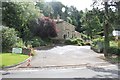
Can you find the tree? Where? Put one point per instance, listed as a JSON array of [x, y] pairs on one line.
[[45, 8], [48, 10], [18, 14], [43, 27], [107, 4], [92, 23], [57, 8]]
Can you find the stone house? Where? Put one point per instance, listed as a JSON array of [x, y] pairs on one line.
[[66, 30]]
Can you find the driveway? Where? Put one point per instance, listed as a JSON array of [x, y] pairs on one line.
[[68, 56]]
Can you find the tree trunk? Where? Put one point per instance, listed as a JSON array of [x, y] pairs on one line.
[[106, 32]]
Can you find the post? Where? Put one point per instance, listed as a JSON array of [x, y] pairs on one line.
[[106, 32]]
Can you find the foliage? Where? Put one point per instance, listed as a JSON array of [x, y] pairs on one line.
[[47, 10], [36, 42], [114, 50], [19, 43], [92, 22], [17, 15], [57, 8], [9, 38], [98, 46], [43, 27], [51, 9], [84, 37], [114, 47], [70, 14], [87, 43], [9, 59], [32, 52], [75, 41], [73, 16], [113, 13], [97, 40]]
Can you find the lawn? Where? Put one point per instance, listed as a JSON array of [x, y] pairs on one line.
[[8, 59]]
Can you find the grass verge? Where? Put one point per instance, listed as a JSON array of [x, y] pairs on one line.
[[8, 59]]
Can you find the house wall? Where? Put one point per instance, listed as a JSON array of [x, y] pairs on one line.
[[66, 30]]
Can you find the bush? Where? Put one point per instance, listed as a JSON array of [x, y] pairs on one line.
[[114, 47], [114, 50], [68, 41], [87, 43], [36, 42], [98, 44], [19, 43], [75, 41], [9, 38]]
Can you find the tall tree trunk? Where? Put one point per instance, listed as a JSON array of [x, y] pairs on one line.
[[106, 32]]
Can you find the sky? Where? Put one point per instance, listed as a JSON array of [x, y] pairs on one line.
[[79, 4]]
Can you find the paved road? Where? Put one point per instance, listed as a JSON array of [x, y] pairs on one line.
[[65, 62], [83, 72], [66, 56]]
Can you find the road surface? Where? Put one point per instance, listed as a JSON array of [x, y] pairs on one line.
[[68, 55], [65, 62]]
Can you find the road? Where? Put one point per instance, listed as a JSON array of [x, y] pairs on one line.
[[68, 55], [65, 62], [83, 72]]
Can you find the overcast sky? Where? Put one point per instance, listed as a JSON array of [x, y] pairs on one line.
[[79, 4]]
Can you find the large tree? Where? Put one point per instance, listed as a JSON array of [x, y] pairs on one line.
[[110, 19], [43, 27], [92, 22], [18, 14]]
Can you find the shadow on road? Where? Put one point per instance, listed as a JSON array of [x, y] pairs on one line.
[[110, 71]]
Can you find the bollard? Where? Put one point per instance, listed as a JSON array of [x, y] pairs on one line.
[[28, 63]]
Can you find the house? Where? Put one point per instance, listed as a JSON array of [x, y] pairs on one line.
[[65, 30]]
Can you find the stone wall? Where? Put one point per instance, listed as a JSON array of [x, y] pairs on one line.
[[66, 30]]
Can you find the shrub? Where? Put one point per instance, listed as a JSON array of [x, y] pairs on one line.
[[68, 41], [87, 43], [114, 47], [114, 50], [19, 43], [75, 41], [36, 42], [98, 44], [9, 38]]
